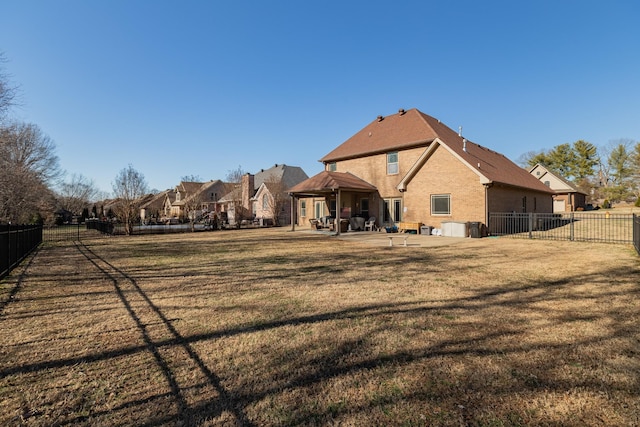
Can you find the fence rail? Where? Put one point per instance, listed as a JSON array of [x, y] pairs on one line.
[[602, 227], [16, 242]]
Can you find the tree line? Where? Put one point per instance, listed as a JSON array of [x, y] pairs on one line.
[[610, 174], [33, 187]]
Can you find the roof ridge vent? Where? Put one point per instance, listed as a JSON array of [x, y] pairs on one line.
[[380, 118], [401, 111]]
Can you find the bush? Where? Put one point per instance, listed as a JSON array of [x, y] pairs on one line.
[[606, 204], [637, 205]]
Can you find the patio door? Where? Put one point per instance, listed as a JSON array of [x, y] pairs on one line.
[[392, 211], [319, 209]]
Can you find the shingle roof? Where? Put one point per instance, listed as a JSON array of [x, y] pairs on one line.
[[327, 181], [412, 128]]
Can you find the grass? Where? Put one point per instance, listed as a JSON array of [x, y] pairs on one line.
[[273, 328]]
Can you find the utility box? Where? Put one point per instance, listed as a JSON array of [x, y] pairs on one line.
[[455, 229], [426, 230]]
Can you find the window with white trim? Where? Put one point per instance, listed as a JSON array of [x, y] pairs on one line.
[[332, 167], [303, 208], [392, 163], [441, 204]]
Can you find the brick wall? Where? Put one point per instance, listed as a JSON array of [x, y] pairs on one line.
[[444, 174]]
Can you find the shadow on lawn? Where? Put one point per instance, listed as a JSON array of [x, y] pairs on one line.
[[303, 369]]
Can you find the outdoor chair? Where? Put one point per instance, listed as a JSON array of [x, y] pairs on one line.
[[370, 225]]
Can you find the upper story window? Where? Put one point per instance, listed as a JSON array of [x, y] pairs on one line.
[[332, 167], [265, 202], [392, 163]]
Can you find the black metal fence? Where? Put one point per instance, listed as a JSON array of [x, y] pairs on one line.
[[16, 242], [636, 232], [602, 227]]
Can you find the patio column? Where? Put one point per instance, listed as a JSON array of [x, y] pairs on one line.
[[338, 211], [294, 201]]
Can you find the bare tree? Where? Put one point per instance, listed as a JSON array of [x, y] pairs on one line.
[[28, 168], [277, 199], [129, 187], [76, 194], [192, 202], [8, 93], [236, 206]]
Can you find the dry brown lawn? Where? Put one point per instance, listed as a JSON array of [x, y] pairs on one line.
[[273, 328]]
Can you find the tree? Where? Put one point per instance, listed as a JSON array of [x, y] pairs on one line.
[[8, 93], [532, 158], [129, 187], [76, 194], [616, 171], [635, 171], [586, 159], [236, 211], [28, 168], [277, 198], [192, 202], [574, 161]]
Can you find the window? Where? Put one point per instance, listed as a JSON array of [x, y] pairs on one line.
[[524, 204], [441, 204], [265, 202], [547, 183], [392, 163], [333, 167], [364, 207], [332, 208], [303, 208]]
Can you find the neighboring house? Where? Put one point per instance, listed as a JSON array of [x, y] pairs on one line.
[[411, 168], [263, 197], [153, 207], [567, 197], [194, 199]]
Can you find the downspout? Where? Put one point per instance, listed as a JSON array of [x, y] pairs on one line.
[[486, 205]]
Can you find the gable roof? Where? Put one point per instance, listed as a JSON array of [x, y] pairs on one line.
[[414, 129], [569, 187], [287, 175], [327, 182], [157, 200]]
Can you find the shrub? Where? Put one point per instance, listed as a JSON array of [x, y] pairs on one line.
[[606, 204]]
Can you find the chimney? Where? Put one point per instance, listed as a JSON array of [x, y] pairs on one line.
[[247, 190]]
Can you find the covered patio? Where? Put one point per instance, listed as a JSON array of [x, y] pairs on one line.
[[343, 187]]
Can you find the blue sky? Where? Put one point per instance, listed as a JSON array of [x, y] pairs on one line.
[[178, 88]]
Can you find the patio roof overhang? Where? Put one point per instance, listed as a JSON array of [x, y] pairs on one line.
[[328, 183]]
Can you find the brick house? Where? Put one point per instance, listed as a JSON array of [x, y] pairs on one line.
[[567, 197], [195, 198], [413, 169], [263, 197]]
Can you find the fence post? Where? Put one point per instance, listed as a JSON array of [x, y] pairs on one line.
[[531, 225], [571, 227]]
